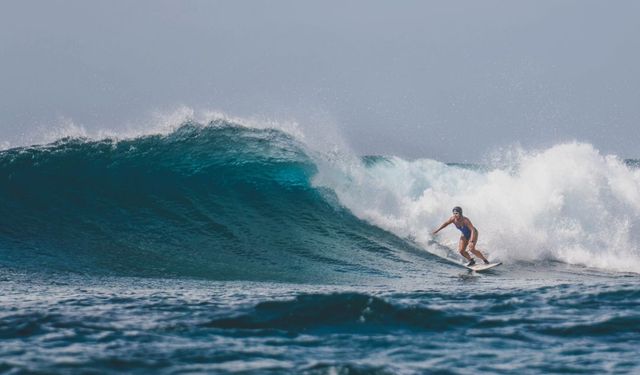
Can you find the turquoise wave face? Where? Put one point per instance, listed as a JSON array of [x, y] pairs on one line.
[[218, 201]]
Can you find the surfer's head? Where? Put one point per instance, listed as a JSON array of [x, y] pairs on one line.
[[457, 210]]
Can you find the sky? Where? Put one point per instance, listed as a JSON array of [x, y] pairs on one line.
[[448, 80]]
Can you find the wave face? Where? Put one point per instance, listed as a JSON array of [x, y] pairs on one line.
[[219, 201]]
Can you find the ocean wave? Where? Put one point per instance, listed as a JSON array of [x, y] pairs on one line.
[[230, 202], [220, 201], [342, 312]]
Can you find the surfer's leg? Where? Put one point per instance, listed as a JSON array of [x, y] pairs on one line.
[[462, 245], [476, 252]]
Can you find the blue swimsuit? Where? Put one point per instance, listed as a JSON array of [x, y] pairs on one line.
[[466, 232]]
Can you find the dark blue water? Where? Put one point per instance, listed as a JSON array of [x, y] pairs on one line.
[[211, 250]]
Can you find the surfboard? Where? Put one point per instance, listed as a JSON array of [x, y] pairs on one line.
[[446, 253], [482, 267]]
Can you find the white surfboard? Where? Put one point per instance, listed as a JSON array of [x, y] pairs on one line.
[[445, 252], [482, 267]]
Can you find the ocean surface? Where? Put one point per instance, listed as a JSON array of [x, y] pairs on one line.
[[225, 248]]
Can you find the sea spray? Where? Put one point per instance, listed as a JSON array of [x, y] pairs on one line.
[[567, 203]]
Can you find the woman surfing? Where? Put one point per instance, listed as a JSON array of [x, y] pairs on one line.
[[469, 235]]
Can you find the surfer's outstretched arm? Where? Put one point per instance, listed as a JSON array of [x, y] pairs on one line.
[[443, 226]]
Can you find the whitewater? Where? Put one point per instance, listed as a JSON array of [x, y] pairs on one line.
[[233, 246]]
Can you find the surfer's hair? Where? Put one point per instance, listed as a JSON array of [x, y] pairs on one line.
[[457, 209]]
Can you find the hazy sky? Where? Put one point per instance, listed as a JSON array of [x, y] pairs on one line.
[[450, 80]]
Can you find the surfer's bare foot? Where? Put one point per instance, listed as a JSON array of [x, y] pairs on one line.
[[486, 261], [471, 263]]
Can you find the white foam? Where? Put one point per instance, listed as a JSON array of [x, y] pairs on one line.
[[568, 203]]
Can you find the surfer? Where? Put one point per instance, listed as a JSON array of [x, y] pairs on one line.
[[469, 235]]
